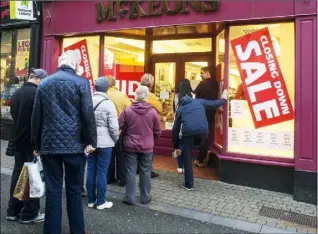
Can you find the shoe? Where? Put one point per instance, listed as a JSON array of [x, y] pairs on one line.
[[154, 174], [127, 202], [84, 193], [198, 164], [146, 201], [38, 219], [121, 183], [106, 205], [187, 188], [180, 170], [91, 205], [12, 218]]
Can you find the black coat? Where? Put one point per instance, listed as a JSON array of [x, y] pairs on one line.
[[21, 111], [63, 120]]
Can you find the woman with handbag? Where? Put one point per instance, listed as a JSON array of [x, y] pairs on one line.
[[107, 135]]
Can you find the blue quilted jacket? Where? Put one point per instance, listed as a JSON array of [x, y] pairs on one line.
[[63, 120]]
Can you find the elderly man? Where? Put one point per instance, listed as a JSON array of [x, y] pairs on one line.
[[21, 110], [64, 131]]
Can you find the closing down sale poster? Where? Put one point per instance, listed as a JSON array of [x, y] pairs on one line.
[[84, 69], [262, 79]]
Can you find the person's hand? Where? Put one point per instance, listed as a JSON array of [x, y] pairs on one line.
[[89, 149], [225, 94], [36, 153]]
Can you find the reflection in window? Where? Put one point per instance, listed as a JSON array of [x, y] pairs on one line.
[[124, 59], [274, 140], [92, 43], [182, 46], [165, 74]]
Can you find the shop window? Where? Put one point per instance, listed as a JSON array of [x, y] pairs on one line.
[[182, 29], [88, 46], [182, 46], [124, 59], [15, 52], [268, 131], [192, 72]]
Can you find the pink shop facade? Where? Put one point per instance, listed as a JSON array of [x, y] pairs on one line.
[[174, 39]]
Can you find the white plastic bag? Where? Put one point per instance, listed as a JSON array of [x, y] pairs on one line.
[[36, 179]]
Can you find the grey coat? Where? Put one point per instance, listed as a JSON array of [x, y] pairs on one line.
[[106, 121]]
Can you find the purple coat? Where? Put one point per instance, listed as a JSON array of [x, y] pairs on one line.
[[140, 124]]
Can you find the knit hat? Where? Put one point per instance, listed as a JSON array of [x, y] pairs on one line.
[[38, 73], [101, 84]]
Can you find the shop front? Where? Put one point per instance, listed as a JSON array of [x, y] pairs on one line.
[[264, 52], [20, 51]]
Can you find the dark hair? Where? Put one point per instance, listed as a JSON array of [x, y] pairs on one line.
[[185, 89], [207, 69]]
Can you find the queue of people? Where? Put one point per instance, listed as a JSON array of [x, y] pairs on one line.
[[67, 125]]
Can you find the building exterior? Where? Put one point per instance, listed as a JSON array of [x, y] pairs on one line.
[[272, 147], [20, 51]]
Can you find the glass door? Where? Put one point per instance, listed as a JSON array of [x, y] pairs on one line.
[[164, 89]]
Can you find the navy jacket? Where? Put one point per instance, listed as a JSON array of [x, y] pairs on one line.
[[63, 120], [191, 115], [21, 111]]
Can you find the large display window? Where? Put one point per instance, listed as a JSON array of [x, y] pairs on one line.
[[15, 53], [262, 83], [124, 59]]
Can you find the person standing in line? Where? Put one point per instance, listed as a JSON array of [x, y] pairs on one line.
[[21, 111], [64, 132], [141, 126], [107, 135], [207, 89], [121, 101], [148, 80], [191, 116]]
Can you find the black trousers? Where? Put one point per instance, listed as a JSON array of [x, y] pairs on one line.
[[203, 150], [187, 144], [28, 209]]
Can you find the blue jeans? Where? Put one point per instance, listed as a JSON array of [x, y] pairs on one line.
[[74, 165], [97, 167]]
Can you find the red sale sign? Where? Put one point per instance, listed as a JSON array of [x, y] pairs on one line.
[[262, 79], [84, 68]]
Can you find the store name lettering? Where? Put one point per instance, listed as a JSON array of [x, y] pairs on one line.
[[254, 71], [136, 9]]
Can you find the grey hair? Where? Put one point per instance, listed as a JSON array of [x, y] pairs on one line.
[[141, 93], [71, 58], [147, 80]]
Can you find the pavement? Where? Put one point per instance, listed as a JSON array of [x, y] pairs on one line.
[[119, 219], [213, 202]]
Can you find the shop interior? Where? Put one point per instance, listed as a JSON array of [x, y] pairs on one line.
[[179, 52]]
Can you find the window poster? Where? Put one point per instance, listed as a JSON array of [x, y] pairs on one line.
[[22, 57], [84, 69], [262, 79]]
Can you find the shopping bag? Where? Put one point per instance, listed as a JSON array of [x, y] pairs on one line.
[[21, 191], [36, 178]]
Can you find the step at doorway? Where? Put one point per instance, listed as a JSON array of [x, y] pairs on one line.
[[169, 164]]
